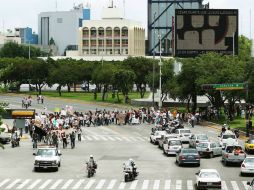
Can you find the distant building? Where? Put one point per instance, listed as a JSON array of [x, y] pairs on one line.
[[112, 35], [26, 35], [9, 38], [161, 22], [61, 27]]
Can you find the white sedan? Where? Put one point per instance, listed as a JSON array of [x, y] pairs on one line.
[[208, 178], [247, 167]]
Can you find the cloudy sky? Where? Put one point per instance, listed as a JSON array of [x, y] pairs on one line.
[[22, 13]]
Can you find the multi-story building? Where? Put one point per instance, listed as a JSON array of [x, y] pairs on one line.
[[112, 35], [61, 27], [161, 22], [10, 37], [27, 36]]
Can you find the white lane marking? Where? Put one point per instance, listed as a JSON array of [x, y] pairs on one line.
[[133, 139], [146, 138], [126, 138], [122, 185], [145, 184], [89, 184], [134, 184], [140, 138], [54, 186], [100, 184], [88, 138], [224, 185], [112, 184], [78, 184], [103, 138], [245, 185], [111, 138], [23, 184], [34, 184], [189, 185], [45, 184], [13, 183], [156, 184], [234, 185], [96, 138], [178, 184], [167, 184], [67, 184], [118, 138], [4, 182]]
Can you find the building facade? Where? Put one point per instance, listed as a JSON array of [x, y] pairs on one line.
[[161, 23], [61, 27], [27, 36], [9, 38], [112, 35]]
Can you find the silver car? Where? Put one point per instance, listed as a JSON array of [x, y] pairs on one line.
[[195, 139], [173, 146], [183, 134], [187, 156], [247, 167], [209, 149]]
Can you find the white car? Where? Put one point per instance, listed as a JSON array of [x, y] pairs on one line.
[[247, 167], [183, 134], [156, 135], [165, 138], [195, 139], [47, 157], [208, 178], [173, 146], [228, 138]]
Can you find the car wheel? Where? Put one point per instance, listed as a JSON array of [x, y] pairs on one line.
[[56, 169], [36, 169], [59, 165], [211, 155], [151, 140], [198, 188], [198, 164], [226, 162], [242, 174]]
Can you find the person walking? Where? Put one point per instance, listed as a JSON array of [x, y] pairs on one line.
[[192, 120], [79, 131], [55, 140], [35, 139], [72, 137], [64, 140]]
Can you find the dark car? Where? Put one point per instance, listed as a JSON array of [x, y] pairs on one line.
[[187, 156]]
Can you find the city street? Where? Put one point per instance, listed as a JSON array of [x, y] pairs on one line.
[[111, 147]]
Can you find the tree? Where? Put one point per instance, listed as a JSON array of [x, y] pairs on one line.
[[245, 45]]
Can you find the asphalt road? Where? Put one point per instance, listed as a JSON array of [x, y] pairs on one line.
[[111, 146]]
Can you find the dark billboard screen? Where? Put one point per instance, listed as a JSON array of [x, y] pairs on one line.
[[199, 31]]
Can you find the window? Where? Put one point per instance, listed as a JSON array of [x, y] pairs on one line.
[[59, 20]]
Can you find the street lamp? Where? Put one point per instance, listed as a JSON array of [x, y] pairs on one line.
[[29, 51], [160, 64], [154, 15]]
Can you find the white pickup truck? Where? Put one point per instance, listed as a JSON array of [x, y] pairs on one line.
[[233, 154], [156, 135], [228, 138]]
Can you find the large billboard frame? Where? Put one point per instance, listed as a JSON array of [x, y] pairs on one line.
[[224, 20]]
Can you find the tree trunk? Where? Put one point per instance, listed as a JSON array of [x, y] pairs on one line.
[[59, 90], [39, 88], [105, 89], [117, 95], [75, 87], [194, 103]]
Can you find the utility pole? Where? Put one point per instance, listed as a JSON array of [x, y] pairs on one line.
[[29, 53], [160, 64], [234, 44], [154, 15]]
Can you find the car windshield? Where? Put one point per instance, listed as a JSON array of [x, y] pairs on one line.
[[46, 152], [176, 142], [250, 160], [228, 136], [209, 175], [185, 131], [189, 151], [202, 137], [203, 145]]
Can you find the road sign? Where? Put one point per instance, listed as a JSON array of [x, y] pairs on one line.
[[226, 86]]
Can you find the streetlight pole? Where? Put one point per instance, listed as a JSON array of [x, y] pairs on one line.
[[160, 64], [29, 53], [154, 15], [234, 44]]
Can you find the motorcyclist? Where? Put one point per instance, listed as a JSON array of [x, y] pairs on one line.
[[92, 162], [133, 166], [223, 129]]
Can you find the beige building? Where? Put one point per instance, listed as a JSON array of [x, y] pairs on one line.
[[9, 38], [113, 35]]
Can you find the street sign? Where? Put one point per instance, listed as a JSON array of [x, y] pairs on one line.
[[226, 86]]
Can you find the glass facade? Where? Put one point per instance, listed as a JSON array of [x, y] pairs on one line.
[[160, 18]]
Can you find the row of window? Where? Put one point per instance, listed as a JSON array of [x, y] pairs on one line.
[[106, 52]]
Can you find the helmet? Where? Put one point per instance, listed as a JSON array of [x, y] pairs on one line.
[[130, 160], [91, 156], [224, 125]]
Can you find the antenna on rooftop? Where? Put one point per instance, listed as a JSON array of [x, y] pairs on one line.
[[124, 8], [56, 5]]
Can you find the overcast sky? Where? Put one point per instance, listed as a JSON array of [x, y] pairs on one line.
[[22, 13]]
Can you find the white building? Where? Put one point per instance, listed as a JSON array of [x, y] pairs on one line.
[[9, 38], [62, 27], [112, 35]]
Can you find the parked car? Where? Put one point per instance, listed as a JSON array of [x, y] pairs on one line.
[[247, 167], [208, 178], [233, 154], [173, 146], [195, 139], [156, 135], [209, 149], [187, 156], [183, 134], [249, 145]]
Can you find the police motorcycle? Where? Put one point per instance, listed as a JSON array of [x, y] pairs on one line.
[[130, 171], [14, 140], [91, 167]]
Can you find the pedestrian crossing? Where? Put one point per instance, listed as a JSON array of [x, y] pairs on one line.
[[113, 138], [113, 184]]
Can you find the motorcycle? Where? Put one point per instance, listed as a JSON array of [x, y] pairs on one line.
[[130, 173], [15, 142], [91, 169]]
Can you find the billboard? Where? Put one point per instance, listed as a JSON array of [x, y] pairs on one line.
[[19, 114], [199, 31]]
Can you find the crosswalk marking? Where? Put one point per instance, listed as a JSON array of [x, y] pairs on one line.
[[54, 186], [132, 138], [78, 184], [189, 185], [156, 184], [234, 185], [13, 183], [34, 184], [103, 138], [45, 184], [111, 138], [140, 138], [100, 184], [134, 184], [224, 185], [167, 184], [112, 184], [96, 137], [178, 184], [122, 185], [118, 138], [23, 184], [4, 182], [88, 138], [89, 184], [145, 184], [67, 184], [245, 185], [126, 139]]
